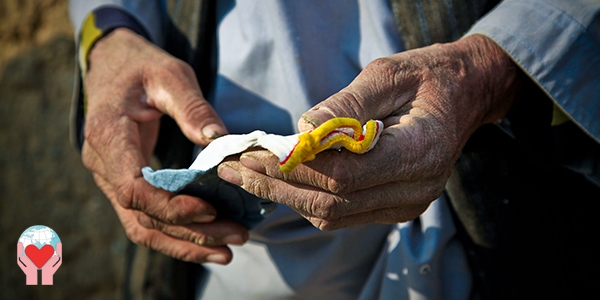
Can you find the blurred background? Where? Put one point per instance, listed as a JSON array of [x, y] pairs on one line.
[[42, 179]]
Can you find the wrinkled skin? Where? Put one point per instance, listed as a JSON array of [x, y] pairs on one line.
[[430, 99], [130, 84]]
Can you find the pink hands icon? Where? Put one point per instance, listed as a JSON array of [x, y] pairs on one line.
[[35, 258]]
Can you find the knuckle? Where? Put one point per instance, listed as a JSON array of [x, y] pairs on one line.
[[88, 159], [135, 235], [336, 185], [435, 192], [175, 217], [148, 222], [203, 240], [195, 107], [176, 67], [90, 132], [342, 180], [348, 103], [260, 188], [430, 191], [325, 206], [189, 256], [414, 212], [124, 194], [383, 66], [325, 225]]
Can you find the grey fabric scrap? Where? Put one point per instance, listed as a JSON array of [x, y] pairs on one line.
[[230, 201]]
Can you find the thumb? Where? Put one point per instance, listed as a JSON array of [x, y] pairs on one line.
[[54, 262], [375, 93], [174, 90], [342, 104], [19, 249]]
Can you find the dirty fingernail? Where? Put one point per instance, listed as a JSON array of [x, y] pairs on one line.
[[313, 118], [213, 131], [217, 258], [230, 175], [234, 239], [203, 218]]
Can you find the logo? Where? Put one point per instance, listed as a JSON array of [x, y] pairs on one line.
[[39, 248]]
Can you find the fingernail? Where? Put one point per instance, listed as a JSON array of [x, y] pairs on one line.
[[313, 118], [213, 131], [234, 239], [203, 218], [217, 258], [252, 163], [230, 175]]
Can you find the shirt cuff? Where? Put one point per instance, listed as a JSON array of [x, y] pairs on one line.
[[556, 44], [99, 23]]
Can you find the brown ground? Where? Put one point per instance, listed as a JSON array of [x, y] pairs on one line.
[[42, 180]]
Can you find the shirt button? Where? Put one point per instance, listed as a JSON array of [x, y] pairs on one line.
[[425, 269]]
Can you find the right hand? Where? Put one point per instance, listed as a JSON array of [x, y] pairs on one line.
[[129, 86], [430, 99]]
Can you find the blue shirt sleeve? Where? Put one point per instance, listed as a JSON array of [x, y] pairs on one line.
[[147, 13], [557, 43]]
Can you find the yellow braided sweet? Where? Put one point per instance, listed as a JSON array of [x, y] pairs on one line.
[[328, 135]]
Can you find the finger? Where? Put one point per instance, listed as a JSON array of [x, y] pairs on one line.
[[320, 204], [59, 248], [217, 233], [388, 215], [19, 249], [206, 231], [140, 195], [169, 245], [172, 87], [382, 81]]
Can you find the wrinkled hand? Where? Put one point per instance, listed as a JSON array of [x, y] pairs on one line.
[[129, 86], [51, 266], [430, 99], [26, 266]]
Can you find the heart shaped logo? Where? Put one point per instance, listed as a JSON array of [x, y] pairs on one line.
[[39, 256]]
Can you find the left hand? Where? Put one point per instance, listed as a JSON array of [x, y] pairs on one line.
[[130, 84], [430, 99]]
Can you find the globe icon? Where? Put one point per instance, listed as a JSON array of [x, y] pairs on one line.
[[39, 235]]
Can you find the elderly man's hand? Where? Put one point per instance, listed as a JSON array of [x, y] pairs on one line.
[[431, 100], [130, 84]]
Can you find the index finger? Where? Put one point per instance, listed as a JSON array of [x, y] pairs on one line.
[[169, 245]]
